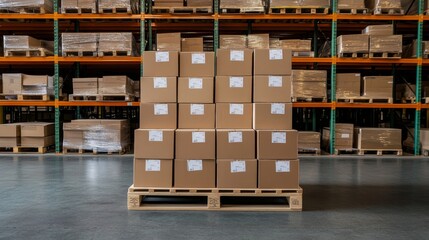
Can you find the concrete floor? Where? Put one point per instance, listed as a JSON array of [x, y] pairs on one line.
[[75, 197]]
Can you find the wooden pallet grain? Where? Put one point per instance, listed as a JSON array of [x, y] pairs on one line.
[[364, 99], [95, 151], [242, 10], [302, 54], [78, 10], [67, 53], [115, 53], [353, 11], [126, 10], [34, 97], [379, 152], [385, 55], [32, 52], [353, 55], [388, 11], [309, 99], [183, 10], [78, 97], [339, 151], [309, 151], [21, 149], [298, 10]]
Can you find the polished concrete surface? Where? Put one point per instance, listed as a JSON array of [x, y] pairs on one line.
[[75, 197]]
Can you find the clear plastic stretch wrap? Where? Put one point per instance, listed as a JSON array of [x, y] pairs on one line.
[[15, 5], [199, 3], [378, 86], [309, 75], [115, 85], [309, 89], [37, 85], [168, 3], [372, 4], [392, 43], [315, 3], [275, 43], [351, 4], [20, 42], [87, 4], [348, 85], [382, 30], [79, 42], [285, 3], [168, 41], [296, 45], [133, 5], [355, 43], [93, 134], [308, 140], [117, 41], [241, 3], [258, 41], [378, 138], [232, 41], [343, 136], [85, 86]]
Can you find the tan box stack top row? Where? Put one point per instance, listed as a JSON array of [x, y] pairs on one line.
[[232, 129]]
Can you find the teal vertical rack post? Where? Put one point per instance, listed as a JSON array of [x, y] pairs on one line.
[[333, 76], [418, 78], [56, 79]]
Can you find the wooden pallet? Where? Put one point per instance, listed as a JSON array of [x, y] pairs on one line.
[[78, 97], [101, 97], [379, 152], [338, 151], [242, 10], [426, 100], [309, 99], [78, 10], [409, 100], [353, 11], [6, 149], [30, 149], [365, 100], [388, 11], [309, 151], [214, 199], [67, 53], [95, 151], [126, 10], [33, 52], [34, 97], [8, 97], [425, 152], [115, 53], [183, 10], [25, 10], [352, 55], [385, 55], [303, 54], [298, 10]]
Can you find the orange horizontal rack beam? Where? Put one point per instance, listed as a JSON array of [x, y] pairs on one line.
[[311, 105], [7, 60], [377, 105], [97, 104], [98, 16], [26, 16], [110, 59], [14, 103], [349, 61], [378, 17]]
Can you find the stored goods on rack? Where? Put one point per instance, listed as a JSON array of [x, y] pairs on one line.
[[167, 3], [406, 92], [378, 86], [343, 137], [26, 6], [309, 142], [79, 44], [118, 6], [380, 140], [385, 46], [15, 45], [10, 135], [27, 87], [78, 6], [85, 86], [242, 6], [115, 85], [354, 46], [413, 49], [192, 44], [36, 136], [184, 9], [381, 30], [232, 41], [348, 85], [299, 47], [352, 7], [117, 44], [258, 41], [309, 85], [199, 3], [299, 7], [168, 41], [390, 7]]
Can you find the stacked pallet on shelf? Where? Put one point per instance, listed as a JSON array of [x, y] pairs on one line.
[[10, 136], [348, 86], [378, 88], [15, 45], [179, 6], [412, 51], [118, 6], [379, 140], [299, 48], [79, 44], [175, 42], [78, 6], [27, 87], [27, 6], [343, 138], [382, 42], [352, 7], [242, 6], [252, 41], [300, 6], [391, 7], [355, 45], [309, 85], [37, 136], [107, 88], [309, 142]]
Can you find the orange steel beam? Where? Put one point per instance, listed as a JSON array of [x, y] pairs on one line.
[[98, 104], [98, 16], [376, 105], [311, 105], [109, 59], [15, 103], [378, 17]]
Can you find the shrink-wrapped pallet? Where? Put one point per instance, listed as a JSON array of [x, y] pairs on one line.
[[355, 43], [168, 41], [351, 4], [309, 90], [241, 3], [382, 44], [377, 138], [378, 86], [79, 42], [309, 75], [168, 3], [382, 30], [348, 85], [308, 140], [37, 85], [85, 86], [89, 6], [343, 136], [372, 4], [114, 42], [413, 49], [258, 41], [232, 41], [115, 85], [26, 6], [296, 45]]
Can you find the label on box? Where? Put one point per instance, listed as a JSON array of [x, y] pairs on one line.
[[198, 58], [345, 135], [282, 166], [197, 109], [236, 56], [236, 109], [160, 82], [235, 137], [153, 165], [155, 136], [238, 166], [195, 165], [195, 83], [276, 54], [198, 137], [278, 137], [160, 109], [278, 108], [162, 57], [275, 81], [236, 82]]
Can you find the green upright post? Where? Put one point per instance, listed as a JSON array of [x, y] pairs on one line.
[[333, 77], [418, 79], [56, 81]]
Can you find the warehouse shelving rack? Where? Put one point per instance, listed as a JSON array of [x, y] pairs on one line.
[[146, 25]]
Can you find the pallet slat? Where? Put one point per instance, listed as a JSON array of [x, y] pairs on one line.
[[385, 55], [101, 97], [388, 11], [352, 55], [298, 10], [309, 99], [95, 151], [353, 11], [183, 10], [242, 10], [78, 10], [33, 52], [364, 99], [379, 152]]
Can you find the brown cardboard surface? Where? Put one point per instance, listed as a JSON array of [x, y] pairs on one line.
[[274, 176], [168, 41], [197, 64], [195, 143], [272, 89], [73, 139], [34, 80], [195, 90], [258, 41], [196, 115], [233, 89], [233, 173], [10, 142], [235, 143], [12, 83], [272, 145], [272, 116], [272, 62], [343, 136], [158, 90], [85, 85], [378, 86], [378, 138], [234, 62], [204, 176], [161, 64], [242, 119], [115, 85], [232, 41], [308, 140], [10, 130], [153, 172], [38, 141], [192, 44], [37, 129], [158, 115], [348, 85], [154, 143]]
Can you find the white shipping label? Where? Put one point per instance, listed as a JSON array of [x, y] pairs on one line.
[[162, 57], [345, 135], [236, 109], [160, 82], [276, 54], [282, 166], [238, 166], [153, 165], [236, 82], [160, 109], [195, 165], [197, 109], [198, 137], [275, 81], [236, 56], [195, 83], [198, 58], [278, 108], [278, 137], [155, 136], [235, 137]]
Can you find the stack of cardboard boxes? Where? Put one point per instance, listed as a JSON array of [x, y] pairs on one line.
[[175, 42], [349, 86], [22, 84], [79, 4], [309, 84], [309, 141], [29, 135], [15, 44], [343, 137], [16, 6]]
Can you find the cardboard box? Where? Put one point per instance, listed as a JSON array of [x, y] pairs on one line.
[[383, 30], [308, 90], [109, 42], [197, 64], [195, 90], [278, 174], [154, 143], [168, 41], [78, 42], [354, 43], [272, 89], [233, 89], [38, 141], [234, 62], [194, 173], [199, 3], [115, 85], [161, 64], [234, 115], [12, 83], [153, 173], [296, 45], [158, 115], [195, 144], [378, 138], [277, 144], [237, 173], [10, 142], [196, 115], [85, 86], [272, 62], [168, 3], [382, 44], [348, 85], [235, 144], [192, 44], [258, 41], [343, 136], [378, 86], [308, 140], [272, 116], [73, 139], [35, 80], [37, 129], [10, 130], [20, 42], [158, 90], [232, 41]]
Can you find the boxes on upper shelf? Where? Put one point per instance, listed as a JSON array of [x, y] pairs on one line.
[[12, 83], [161, 64], [234, 115], [85, 86], [241, 3], [296, 45], [309, 84], [75, 42], [232, 41], [348, 85], [258, 41], [233, 89], [278, 174], [195, 173], [351, 4], [197, 64], [168, 3], [154, 143], [382, 44], [378, 86], [272, 62], [372, 4], [158, 89], [158, 115], [192, 44], [168, 41], [272, 116], [355, 43], [234, 62], [380, 30], [233, 173], [117, 44], [115, 85], [272, 89], [45, 6], [195, 90], [37, 85], [199, 3], [153, 172], [196, 116], [277, 144], [235, 144], [195, 144]]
